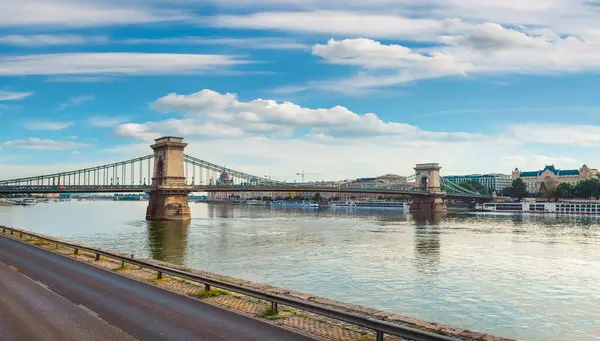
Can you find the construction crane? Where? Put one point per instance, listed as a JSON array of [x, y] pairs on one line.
[[302, 174]]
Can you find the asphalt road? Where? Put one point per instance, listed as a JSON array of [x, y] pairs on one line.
[[45, 296]]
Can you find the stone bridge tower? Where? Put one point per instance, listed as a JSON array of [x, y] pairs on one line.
[[428, 180], [169, 199]]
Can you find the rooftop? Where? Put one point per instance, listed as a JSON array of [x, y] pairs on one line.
[[551, 168]]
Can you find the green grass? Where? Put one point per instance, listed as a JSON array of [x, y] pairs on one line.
[[211, 293], [123, 267], [269, 314], [301, 314]]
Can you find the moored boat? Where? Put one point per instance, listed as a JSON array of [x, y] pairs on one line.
[[255, 202], [373, 205], [294, 204], [25, 202], [561, 207]]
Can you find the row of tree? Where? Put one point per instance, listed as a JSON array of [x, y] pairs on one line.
[[584, 189]]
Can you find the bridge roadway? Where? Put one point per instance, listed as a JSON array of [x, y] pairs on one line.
[[76, 301], [38, 189]]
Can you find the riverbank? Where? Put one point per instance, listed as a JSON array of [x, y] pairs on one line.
[[323, 328]]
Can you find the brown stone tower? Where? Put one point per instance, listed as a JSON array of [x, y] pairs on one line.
[[169, 199], [428, 180]]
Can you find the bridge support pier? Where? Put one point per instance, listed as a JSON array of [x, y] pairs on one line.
[[428, 179], [433, 204], [169, 199]]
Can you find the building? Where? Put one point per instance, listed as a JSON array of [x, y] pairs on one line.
[[552, 177], [494, 182]]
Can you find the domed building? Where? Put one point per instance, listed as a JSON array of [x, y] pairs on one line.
[[225, 179]]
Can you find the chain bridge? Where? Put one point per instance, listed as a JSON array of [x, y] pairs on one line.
[[169, 175]]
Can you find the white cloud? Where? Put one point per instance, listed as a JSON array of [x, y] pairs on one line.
[[74, 13], [331, 17], [340, 23], [479, 49], [558, 134], [186, 127], [106, 121], [214, 115], [35, 40], [47, 125], [75, 101], [113, 63], [44, 144], [248, 43], [79, 79], [13, 96], [534, 162]]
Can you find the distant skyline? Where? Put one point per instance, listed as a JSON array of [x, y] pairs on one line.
[[339, 89]]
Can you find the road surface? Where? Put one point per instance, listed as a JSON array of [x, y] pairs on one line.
[[45, 296]]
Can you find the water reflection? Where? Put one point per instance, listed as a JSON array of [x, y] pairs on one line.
[[427, 247], [431, 218], [167, 240], [220, 211]]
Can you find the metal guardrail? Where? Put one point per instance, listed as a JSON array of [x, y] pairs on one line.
[[380, 327]]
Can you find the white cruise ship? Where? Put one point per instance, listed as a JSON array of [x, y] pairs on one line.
[[373, 205], [294, 204], [561, 207], [255, 202], [25, 202]]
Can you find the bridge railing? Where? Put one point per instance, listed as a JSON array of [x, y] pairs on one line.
[[380, 327]]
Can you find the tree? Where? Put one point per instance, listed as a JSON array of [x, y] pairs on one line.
[[548, 192], [587, 188], [564, 190], [517, 190], [474, 186], [317, 197]]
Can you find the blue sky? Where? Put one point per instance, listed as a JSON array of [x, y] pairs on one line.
[[339, 89]]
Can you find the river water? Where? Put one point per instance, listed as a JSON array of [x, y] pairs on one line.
[[529, 277]]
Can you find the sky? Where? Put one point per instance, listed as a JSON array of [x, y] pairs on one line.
[[337, 89]]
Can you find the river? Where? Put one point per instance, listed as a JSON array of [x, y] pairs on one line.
[[529, 277]]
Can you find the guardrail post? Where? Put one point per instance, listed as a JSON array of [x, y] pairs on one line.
[[159, 275], [3, 230], [97, 257], [379, 336], [75, 251], [11, 232], [21, 235], [274, 307], [206, 287]]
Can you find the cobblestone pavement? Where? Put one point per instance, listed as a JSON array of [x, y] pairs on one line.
[[314, 325]]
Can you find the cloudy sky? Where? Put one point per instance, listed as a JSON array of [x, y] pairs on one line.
[[339, 89]]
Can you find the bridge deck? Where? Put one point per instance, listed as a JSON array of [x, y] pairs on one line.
[[232, 189]]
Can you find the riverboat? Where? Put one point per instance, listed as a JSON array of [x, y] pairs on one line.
[[25, 202], [255, 202], [294, 204], [371, 205], [5, 202], [561, 207]]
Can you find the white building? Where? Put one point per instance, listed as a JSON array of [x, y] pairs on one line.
[[495, 182]]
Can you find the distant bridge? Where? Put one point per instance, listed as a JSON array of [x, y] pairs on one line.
[[171, 173]]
